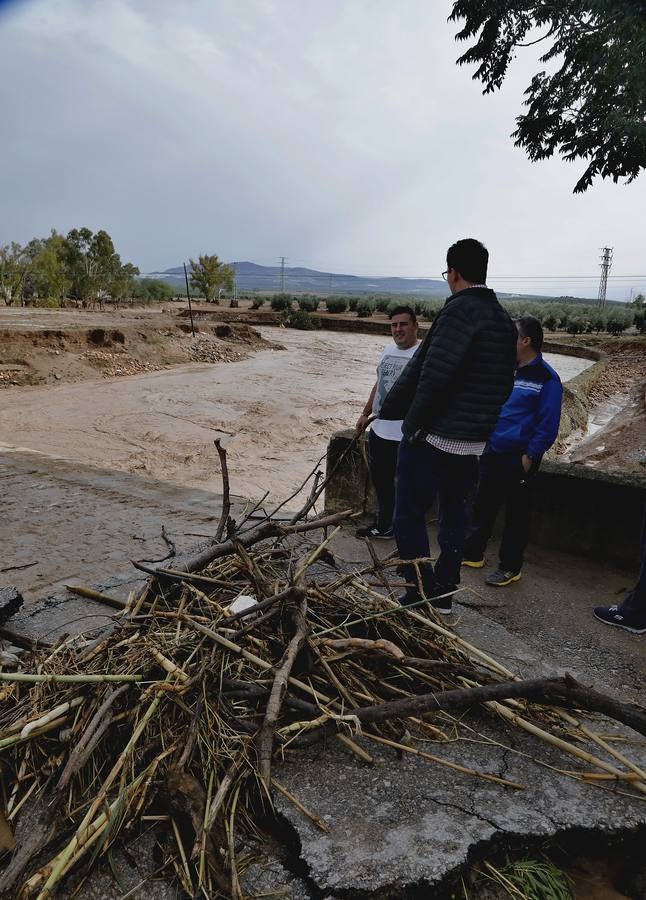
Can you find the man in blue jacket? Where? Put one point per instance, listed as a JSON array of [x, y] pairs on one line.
[[527, 427]]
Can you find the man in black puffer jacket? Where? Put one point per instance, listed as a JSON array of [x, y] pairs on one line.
[[449, 396]]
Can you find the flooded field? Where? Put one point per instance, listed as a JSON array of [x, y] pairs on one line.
[[276, 411]]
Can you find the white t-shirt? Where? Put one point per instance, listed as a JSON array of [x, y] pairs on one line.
[[392, 363]]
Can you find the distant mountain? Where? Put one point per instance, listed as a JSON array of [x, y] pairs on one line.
[[252, 277]]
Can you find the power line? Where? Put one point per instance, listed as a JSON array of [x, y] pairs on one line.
[[282, 274]]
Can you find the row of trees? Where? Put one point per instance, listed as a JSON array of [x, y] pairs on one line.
[[574, 318], [81, 265], [84, 266]]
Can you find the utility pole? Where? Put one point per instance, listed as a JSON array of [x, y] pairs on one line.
[[606, 263], [188, 297], [282, 274]]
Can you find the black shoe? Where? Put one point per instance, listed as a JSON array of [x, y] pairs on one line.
[[442, 605], [371, 531], [612, 615]]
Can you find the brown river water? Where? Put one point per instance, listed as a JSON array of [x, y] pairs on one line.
[[275, 411]]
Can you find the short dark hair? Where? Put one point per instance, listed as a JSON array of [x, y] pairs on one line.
[[402, 310], [470, 259], [529, 326]]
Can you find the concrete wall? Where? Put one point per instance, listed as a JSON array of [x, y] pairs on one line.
[[575, 411], [577, 509]]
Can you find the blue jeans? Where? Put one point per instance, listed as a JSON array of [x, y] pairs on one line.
[[424, 473]]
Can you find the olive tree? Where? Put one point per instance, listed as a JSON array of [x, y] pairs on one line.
[[589, 103]]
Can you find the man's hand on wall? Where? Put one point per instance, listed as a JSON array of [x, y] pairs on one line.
[[362, 423]]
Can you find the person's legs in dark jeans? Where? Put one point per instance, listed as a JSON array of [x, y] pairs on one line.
[[460, 473], [383, 464], [631, 614], [422, 472], [489, 497], [418, 476], [634, 605], [518, 514]]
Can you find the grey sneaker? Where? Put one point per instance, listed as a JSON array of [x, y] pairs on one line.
[[372, 532], [612, 615], [501, 577]]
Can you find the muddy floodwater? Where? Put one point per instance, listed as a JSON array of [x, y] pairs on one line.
[[276, 411]]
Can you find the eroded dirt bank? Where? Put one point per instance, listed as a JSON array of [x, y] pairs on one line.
[[38, 356]]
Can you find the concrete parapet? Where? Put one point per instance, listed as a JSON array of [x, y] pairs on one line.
[[577, 509]]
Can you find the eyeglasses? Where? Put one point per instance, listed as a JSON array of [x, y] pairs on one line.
[[445, 273]]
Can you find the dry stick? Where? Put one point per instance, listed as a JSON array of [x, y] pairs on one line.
[[261, 532], [311, 500], [358, 751], [257, 660], [31, 678], [471, 650], [91, 594], [597, 739], [235, 883], [192, 735], [178, 575], [314, 495], [378, 568], [223, 789], [254, 509], [316, 820], [443, 762], [77, 758], [266, 738], [258, 580], [17, 739], [311, 559], [548, 691], [345, 646], [256, 622], [226, 500], [81, 834], [572, 749]]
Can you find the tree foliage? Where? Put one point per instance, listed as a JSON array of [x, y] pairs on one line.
[[13, 267], [82, 265], [152, 289], [209, 275], [591, 104]]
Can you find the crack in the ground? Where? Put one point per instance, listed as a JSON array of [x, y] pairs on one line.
[[470, 812]]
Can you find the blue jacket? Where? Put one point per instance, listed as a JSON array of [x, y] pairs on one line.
[[529, 420]]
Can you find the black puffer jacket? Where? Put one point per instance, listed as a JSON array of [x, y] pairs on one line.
[[462, 372]]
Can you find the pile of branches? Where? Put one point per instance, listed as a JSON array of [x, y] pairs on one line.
[[177, 714]]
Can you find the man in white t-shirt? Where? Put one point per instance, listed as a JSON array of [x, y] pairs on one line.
[[384, 435]]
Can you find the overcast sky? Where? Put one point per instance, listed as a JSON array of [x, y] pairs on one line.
[[341, 135]]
